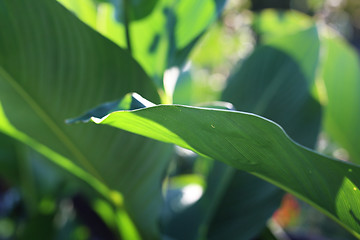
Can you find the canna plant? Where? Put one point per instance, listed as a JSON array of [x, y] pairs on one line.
[[121, 59]]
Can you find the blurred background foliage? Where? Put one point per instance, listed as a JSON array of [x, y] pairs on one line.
[[34, 194]]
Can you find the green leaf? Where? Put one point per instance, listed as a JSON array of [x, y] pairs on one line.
[[8, 159], [273, 82], [235, 205], [301, 45], [195, 217], [254, 144], [270, 23], [170, 32], [245, 207], [84, 9], [339, 91], [53, 67], [280, 87], [198, 16], [138, 9], [165, 37]]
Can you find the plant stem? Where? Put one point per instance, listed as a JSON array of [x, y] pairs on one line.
[[126, 9]]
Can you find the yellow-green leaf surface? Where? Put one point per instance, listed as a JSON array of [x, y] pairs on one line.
[[52, 67], [341, 88], [256, 145], [160, 40], [271, 23]]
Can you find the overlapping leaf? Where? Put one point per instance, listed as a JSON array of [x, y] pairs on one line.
[[340, 94], [164, 38], [256, 145], [53, 67], [243, 203], [281, 93]]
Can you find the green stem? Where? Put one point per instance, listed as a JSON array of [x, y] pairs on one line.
[[126, 9]]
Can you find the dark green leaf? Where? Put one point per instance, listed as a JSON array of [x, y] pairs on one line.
[[246, 205], [8, 159], [53, 67], [279, 92], [272, 83]]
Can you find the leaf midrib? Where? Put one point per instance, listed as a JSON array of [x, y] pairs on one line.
[[78, 155]]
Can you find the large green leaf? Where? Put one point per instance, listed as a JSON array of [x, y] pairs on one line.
[[84, 9], [280, 87], [305, 45], [52, 67], [161, 40], [340, 94], [280, 90], [254, 144], [242, 204]]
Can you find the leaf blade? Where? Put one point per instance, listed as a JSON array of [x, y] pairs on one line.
[[53, 67], [259, 146], [340, 97]]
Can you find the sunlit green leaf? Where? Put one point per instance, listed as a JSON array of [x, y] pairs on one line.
[[256, 145], [281, 93], [272, 23], [84, 9], [236, 204], [340, 94], [164, 37], [137, 8]]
